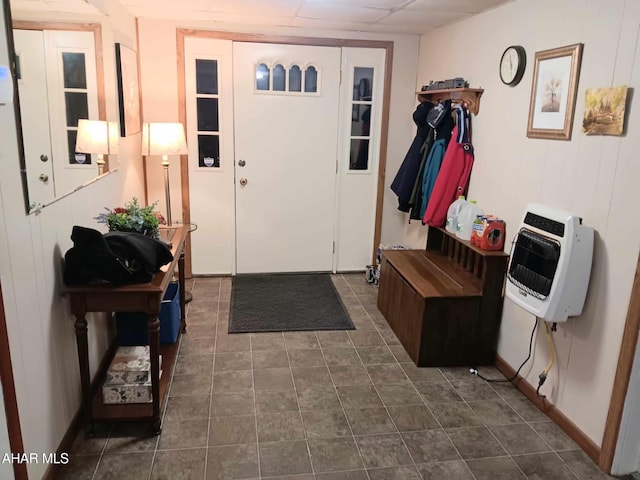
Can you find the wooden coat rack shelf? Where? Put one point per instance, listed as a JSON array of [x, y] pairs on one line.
[[470, 96]]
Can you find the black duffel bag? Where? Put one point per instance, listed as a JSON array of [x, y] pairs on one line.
[[115, 257]]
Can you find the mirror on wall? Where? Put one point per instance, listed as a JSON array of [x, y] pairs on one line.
[[61, 75]]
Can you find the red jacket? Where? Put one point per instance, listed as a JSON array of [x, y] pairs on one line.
[[453, 178]]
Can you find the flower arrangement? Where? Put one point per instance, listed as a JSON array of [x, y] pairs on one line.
[[133, 218]]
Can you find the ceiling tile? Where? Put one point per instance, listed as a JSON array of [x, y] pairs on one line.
[[404, 29], [384, 4], [240, 19], [329, 24], [272, 8], [426, 19], [343, 12], [59, 6], [465, 6]]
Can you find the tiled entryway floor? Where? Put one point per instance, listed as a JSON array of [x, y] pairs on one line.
[[338, 405]]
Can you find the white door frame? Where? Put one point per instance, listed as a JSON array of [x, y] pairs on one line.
[[182, 33]]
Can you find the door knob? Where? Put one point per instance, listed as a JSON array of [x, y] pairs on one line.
[[243, 181], [44, 158], [43, 177], [242, 163]]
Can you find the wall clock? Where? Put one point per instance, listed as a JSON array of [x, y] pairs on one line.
[[512, 65]]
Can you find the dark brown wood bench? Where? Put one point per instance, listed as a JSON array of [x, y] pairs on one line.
[[444, 303]]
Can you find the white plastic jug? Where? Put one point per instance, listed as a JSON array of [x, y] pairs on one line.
[[453, 212], [466, 218]]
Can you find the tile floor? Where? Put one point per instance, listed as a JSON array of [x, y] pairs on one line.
[[327, 406]]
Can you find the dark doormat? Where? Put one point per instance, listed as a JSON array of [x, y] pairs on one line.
[[286, 302]]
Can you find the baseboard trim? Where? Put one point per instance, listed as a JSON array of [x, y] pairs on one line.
[[559, 418], [76, 423]]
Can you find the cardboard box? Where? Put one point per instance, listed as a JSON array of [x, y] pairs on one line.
[[130, 365], [128, 393]]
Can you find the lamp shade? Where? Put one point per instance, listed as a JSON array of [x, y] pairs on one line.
[[163, 139], [97, 136]]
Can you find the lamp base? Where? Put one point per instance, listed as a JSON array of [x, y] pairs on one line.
[[187, 297]]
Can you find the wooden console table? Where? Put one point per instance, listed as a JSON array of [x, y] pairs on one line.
[[146, 298]]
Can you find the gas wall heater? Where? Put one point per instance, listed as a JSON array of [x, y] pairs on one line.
[[550, 263]]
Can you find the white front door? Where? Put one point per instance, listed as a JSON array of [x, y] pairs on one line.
[[286, 105]]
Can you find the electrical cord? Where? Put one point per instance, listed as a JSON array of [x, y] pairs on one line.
[[543, 376], [474, 371]]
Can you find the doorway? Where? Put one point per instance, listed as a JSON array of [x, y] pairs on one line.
[[285, 148]]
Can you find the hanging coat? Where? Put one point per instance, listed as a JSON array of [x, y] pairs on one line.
[[405, 179], [455, 171], [431, 166]]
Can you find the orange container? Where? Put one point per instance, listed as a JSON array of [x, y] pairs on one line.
[[493, 234]]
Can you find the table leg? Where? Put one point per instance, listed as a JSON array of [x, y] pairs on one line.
[[85, 376], [153, 327], [181, 279]]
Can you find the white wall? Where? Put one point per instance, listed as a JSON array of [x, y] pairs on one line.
[[41, 331], [160, 103], [595, 177]]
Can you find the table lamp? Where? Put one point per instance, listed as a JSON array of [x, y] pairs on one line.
[[164, 139], [97, 137]]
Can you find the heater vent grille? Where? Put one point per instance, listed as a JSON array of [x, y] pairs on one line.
[[546, 224], [534, 263]]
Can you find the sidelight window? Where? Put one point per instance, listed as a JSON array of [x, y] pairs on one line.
[[361, 105], [208, 113], [76, 101]]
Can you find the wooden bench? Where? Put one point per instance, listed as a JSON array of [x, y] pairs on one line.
[[444, 303]]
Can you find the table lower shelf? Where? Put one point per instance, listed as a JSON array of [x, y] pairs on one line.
[[138, 411]]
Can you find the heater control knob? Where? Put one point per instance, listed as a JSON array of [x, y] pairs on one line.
[[43, 177], [243, 181], [242, 163], [44, 158]]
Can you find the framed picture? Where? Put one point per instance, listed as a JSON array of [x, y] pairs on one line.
[[553, 92], [604, 111], [128, 91]]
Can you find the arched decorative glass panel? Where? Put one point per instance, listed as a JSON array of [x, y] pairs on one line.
[[295, 79], [311, 79], [262, 77], [279, 78]]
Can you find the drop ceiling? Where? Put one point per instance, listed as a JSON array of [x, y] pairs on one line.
[[391, 16]]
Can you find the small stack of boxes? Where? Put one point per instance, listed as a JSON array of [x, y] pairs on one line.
[[129, 377]]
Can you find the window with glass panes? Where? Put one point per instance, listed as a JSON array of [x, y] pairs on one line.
[[207, 107], [361, 104], [76, 101]]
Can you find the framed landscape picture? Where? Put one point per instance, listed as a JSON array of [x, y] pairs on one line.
[[553, 92]]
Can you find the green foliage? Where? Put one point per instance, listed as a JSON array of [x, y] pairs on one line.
[[133, 218]]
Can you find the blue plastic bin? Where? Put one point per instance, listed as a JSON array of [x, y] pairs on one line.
[[132, 327]]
